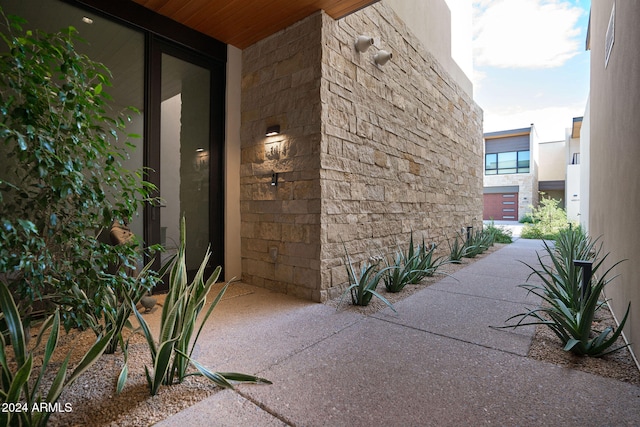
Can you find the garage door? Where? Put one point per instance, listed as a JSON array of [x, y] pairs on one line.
[[501, 206]]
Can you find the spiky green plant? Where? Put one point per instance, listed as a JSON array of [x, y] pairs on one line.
[[180, 314], [362, 286], [456, 249], [569, 310], [398, 272], [17, 386], [426, 264]]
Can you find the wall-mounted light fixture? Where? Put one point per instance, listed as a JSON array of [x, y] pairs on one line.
[[273, 130], [274, 179], [363, 43], [382, 57], [87, 20]]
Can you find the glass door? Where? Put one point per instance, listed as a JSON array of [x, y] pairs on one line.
[[183, 156]]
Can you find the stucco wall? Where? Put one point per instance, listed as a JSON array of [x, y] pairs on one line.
[[367, 153], [432, 23], [614, 152], [551, 162]]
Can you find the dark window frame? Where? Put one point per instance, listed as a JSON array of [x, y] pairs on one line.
[[510, 170]]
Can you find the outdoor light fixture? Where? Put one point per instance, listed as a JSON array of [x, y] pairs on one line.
[[274, 179], [87, 20], [199, 150], [273, 130], [363, 43], [382, 57]]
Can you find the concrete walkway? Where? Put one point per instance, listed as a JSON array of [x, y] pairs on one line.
[[436, 363]]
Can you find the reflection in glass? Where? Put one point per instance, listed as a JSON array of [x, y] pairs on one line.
[[184, 157]]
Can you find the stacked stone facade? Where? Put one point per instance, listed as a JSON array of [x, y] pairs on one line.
[[367, 154]]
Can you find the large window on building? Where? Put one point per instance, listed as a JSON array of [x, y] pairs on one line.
[[507, 163]]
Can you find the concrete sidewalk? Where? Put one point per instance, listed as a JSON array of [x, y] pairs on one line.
[[435, 363]]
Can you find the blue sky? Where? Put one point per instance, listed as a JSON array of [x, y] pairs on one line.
[[530, 63]]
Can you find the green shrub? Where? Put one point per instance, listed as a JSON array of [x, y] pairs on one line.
[[62, 180], [18, 386], [569, 309], [180, 313], [499, 234], [548, 219]]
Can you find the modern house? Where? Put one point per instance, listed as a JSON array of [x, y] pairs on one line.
[[552, 170], [510, 174], [559, 170], [573, 191], [610, 150], [286, 131]]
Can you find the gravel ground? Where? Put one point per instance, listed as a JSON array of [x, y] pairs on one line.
[[93, 400]]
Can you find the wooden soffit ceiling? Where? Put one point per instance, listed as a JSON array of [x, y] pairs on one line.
[[241, 23]]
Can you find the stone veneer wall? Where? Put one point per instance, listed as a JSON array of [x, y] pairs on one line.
[[280, 225], [401, 146], [367, 153]]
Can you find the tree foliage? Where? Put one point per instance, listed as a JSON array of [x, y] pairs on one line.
[[62, 179]]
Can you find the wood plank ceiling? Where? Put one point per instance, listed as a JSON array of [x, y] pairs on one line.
[[241, 23]]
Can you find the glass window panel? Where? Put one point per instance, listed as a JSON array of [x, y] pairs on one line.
[[523, 160], [184, 157], [507, 160], [506, 171], [491, 161]]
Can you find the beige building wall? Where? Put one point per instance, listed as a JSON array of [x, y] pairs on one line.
[[614, 176], [431, 22], [551, 161], [232, 255], [366, 154]]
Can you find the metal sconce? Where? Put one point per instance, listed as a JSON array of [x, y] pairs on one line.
[[273, 130], [382, 57], [363, 43], [274, 179]]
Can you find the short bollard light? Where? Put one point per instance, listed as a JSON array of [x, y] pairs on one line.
[[587, 267], [469, 230]]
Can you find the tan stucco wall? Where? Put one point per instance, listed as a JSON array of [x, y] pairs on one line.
[[431, 23], [551, 161], [232, 264], [614, 174]]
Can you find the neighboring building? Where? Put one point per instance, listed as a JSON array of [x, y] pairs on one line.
[[559, 170], [365, 152], [573, 191], [610, 132], [552, 169], [510, 174]]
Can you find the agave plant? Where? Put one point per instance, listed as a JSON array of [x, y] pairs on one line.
[[18, 387], [180, 314], [456, 249], [362, 287], [398, 272], [569, 310], [425, 265]]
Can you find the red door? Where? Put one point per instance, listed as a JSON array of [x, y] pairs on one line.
[[501, 206]]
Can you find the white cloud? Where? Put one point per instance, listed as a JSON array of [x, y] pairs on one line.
[[550, 123], [525, 33]]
